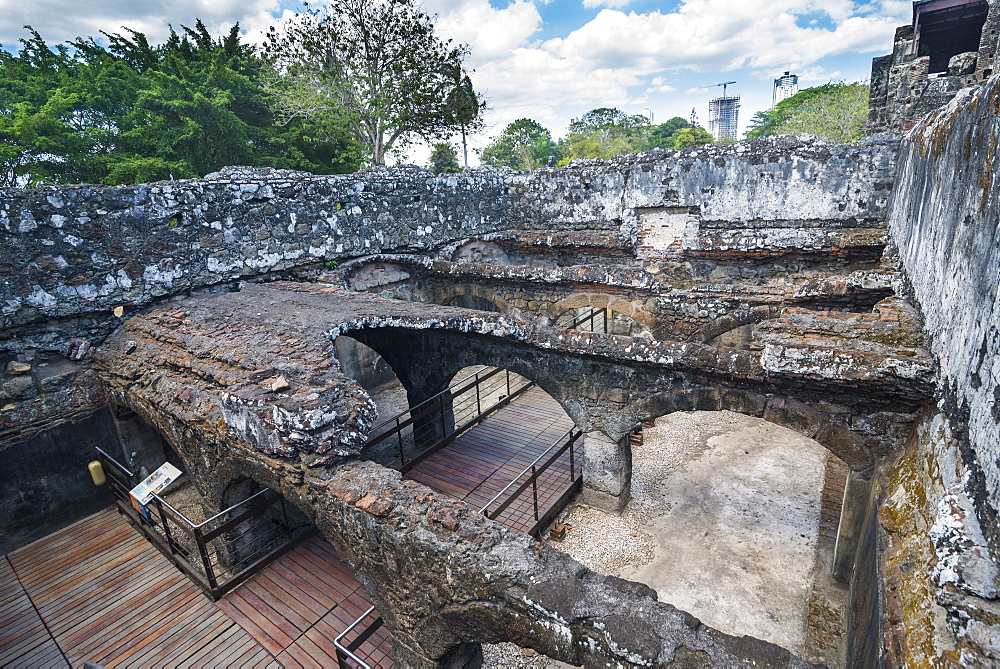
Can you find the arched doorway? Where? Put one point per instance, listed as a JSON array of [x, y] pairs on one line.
[[469, 301]]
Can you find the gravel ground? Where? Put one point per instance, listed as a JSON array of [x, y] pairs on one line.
[[609, 543]]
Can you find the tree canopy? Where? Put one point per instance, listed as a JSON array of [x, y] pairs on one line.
[[604, 132], [836, 111], [374, 67], [444, 159], [523, 145], [677, 133], [132, 111]]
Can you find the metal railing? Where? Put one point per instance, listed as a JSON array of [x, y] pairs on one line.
[[218, 553], [435, 422], [588, 321], [562, 449], [349, 651]]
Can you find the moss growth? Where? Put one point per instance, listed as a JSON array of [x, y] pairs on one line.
[[914, 618]]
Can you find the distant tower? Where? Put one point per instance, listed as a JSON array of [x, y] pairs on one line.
[[723, 116], [785, 86], [648, 114]]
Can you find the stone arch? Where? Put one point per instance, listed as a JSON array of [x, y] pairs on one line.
[[424, 363], [467, 301], [472, 293], [735, 329], [856, 450], [633, 310], [480, 250]]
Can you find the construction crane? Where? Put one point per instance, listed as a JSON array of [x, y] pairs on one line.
[[724, 84]]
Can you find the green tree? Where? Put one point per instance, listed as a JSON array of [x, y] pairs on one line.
[[677, 133], [133, 111], [466, 109], [375, 67], [604, 132], [836, 111], [523, 145], [444, 159], [686, 138]]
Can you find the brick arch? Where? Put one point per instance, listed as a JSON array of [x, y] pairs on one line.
[[632, 309], [426, 371]]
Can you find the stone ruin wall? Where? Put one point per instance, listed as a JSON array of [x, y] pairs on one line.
[[903, 90], [942, 495], [76, 253]]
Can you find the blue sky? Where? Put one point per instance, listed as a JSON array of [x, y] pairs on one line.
[[553, 60]]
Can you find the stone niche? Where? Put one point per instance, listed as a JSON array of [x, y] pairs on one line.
[[665, 232], [375, 275]]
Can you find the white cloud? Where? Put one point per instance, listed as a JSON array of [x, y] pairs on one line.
[[61, 20], [492, 33], [614, 4]]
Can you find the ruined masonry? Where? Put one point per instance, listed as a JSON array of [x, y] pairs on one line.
[[848, 292]]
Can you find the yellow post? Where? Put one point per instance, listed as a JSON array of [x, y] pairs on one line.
[[97, 473]]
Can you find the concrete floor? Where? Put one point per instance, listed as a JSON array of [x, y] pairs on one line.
[[734, 521]]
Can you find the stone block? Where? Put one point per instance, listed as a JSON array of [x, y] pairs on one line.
[[19, 388], [15, 368], [744, 401], [846, 445], [57, 382], [607, 471]]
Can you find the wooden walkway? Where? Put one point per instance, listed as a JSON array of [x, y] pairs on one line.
[[481, 462], [97, 591]]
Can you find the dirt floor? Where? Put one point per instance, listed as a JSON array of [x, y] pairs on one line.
[[723, 523]]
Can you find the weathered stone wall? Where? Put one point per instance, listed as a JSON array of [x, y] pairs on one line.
[[945, 217], [70, 251], [785, 192]]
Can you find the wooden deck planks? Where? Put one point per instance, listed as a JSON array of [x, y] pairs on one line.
[[24, 639], [101, 593], [298, 605], [105, 595], [480, 463]]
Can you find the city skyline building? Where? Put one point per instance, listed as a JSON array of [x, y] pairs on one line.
[[785, 87]]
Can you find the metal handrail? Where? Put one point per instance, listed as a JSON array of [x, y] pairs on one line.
[[496, 370], [341, 648], [577, 322], [568, 436], [459, 392], [165, 521]]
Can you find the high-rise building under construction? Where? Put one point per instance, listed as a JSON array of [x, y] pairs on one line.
[[723, 116]]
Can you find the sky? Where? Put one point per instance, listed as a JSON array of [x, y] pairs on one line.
[[554, 60]]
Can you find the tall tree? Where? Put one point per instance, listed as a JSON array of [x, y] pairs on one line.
[[523, 145], [466, 109], [376, 66], [603, 133], [837, 111]]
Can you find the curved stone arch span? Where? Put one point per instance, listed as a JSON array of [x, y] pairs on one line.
[[455, 293], [424, 373], [832, 434], [634, 310]]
